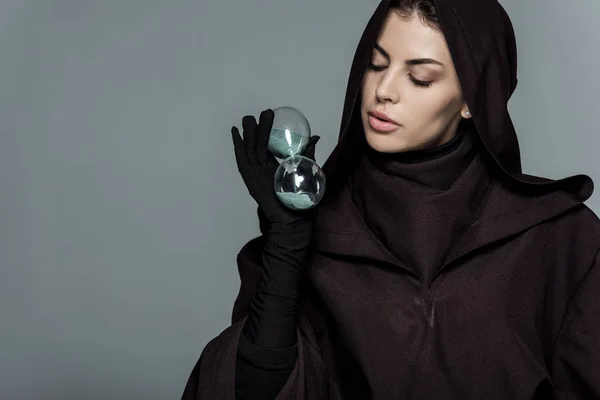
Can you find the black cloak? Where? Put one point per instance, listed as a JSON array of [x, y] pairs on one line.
[[513, 312]]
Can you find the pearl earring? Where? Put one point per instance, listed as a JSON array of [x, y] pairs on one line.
[[468, 113]]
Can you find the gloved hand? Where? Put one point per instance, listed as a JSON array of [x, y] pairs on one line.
[[288, 236], [257, 166]]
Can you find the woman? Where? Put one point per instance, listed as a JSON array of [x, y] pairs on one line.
[[434, 268]]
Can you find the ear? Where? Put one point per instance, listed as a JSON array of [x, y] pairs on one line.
[[464, 112]]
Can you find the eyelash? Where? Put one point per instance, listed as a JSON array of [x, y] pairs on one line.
[[417, 82]]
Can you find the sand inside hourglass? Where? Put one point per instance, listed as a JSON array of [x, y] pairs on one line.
[[299, 201], [284, 143]]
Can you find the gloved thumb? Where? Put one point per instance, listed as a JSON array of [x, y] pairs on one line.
[[310, 148]]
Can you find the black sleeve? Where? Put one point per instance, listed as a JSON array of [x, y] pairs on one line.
[[261, 372], [576, 358], [267, 350]]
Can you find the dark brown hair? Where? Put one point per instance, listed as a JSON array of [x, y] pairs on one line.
[[424, 9]]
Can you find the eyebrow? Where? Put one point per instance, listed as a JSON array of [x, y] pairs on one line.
[[413, 61]]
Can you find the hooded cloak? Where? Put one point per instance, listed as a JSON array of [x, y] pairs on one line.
[[512, 310], [419, 203]]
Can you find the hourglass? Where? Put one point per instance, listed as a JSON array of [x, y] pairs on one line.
[[299, 181]]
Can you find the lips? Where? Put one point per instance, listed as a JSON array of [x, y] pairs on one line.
[[382, 122]]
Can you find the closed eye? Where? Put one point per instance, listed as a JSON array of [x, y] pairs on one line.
[[419, 83], [376, 67], [416, 82]]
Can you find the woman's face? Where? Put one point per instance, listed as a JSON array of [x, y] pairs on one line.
[[411, 82]]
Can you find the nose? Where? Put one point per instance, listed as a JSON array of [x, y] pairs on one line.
[[387, 90]]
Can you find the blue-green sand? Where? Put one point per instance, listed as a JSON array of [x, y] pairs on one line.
[[284, 143], [298, 201]]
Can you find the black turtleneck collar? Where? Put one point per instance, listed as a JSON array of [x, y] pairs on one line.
[[436, 167]]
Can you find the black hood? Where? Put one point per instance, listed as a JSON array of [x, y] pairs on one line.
[[481, 40]]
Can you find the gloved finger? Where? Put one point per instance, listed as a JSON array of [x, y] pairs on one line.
[[263, 223], [265, 123], [249, 125], [238, 146], [310, 148]]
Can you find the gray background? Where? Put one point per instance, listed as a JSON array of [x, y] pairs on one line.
[[122, 208]]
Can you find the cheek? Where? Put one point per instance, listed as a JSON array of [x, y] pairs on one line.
[[437, 104], [368, 89]]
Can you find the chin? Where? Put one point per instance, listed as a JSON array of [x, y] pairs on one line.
[[386, 143]]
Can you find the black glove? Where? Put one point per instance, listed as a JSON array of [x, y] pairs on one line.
[[287, 235], [267, 350], [258, 166]]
